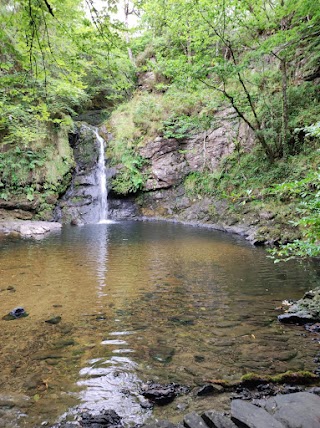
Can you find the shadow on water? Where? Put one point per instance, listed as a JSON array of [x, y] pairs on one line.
[[139, 301]]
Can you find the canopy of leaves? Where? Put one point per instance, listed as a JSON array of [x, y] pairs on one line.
[[53, 61]]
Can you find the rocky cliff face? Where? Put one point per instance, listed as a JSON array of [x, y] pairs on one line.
[[171, 160]]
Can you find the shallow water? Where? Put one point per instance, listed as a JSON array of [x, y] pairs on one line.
[[139, 301]]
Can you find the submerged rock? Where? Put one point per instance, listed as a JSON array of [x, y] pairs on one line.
[[313, 328], [182, 320], [16, 313], [53, 320], [162, 354]]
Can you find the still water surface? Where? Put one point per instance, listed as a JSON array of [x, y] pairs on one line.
[[139, 301]]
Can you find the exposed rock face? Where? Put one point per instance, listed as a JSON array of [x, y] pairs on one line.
[[122, 208], [18, 208], [168, 165], [171, 160]]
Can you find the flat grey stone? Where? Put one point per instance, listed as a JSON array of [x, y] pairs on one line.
[[217, 420], [160, 424], [252, 416], [193, 420], [297, 410]]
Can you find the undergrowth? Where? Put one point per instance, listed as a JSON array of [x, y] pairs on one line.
[[176, 114], [249, 181]]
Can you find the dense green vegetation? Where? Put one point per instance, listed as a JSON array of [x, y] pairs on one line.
[[259, 58], [56, 60]]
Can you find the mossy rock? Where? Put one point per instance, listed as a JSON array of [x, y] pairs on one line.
[[85, 148], [291, 377], [309, 303]]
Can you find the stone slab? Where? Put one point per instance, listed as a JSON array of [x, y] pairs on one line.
[[217, 420], [297, 410], [251, 416], [193, 420]]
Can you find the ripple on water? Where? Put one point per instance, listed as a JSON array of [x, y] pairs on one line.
[[112, 384]]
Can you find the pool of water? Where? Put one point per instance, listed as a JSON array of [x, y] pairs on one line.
[[139, 301]]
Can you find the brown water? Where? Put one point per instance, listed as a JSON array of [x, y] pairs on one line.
[[139, 301]]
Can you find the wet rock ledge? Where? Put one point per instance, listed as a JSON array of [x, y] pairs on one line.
[[28, 229], [297, 410], [305, 311]]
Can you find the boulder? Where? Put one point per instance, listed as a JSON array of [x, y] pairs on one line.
[[297, 410], [251, 416], [162, 394]]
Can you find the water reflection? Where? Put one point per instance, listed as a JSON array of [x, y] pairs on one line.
[[112, 382], [102, 259]]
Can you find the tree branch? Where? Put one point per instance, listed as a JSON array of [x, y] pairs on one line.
[[49, 8]]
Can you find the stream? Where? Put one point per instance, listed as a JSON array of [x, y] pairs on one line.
[[139, 301]]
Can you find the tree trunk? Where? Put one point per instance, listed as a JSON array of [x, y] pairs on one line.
[[126, 22]]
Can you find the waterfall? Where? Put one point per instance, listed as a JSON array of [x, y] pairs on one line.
[[85, 201], [102, 178]]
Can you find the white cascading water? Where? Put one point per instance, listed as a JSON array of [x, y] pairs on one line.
[[102, 177]]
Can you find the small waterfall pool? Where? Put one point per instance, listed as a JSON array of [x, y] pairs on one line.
[[140, 301]]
